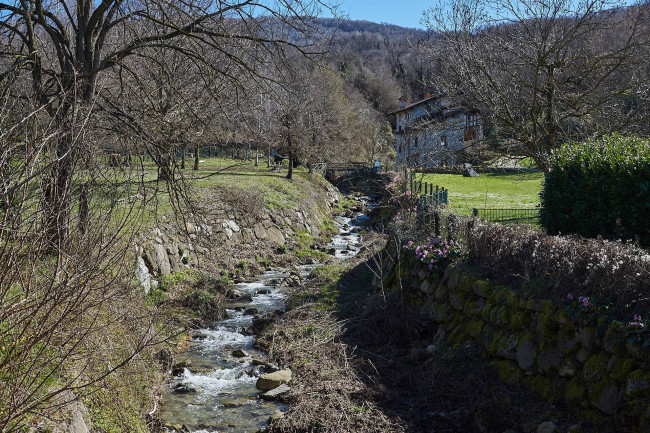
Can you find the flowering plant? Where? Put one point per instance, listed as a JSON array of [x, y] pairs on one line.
[[436, 252], [403, 200], [588, 305], [637, 321], [639, 332]]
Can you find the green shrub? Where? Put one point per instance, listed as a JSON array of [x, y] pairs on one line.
[[156, 296], [212, 283], [600, 187], [166, 282]]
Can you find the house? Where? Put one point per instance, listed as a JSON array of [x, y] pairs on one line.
[[435, 131]]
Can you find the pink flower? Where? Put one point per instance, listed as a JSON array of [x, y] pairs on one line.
[[638, 321]]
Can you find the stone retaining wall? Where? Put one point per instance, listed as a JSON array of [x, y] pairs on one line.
[[211, 242], [580, 358]]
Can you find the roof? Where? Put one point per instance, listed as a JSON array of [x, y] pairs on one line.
[[410, 106]]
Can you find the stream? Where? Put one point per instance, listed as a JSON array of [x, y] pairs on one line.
[[213, 385]]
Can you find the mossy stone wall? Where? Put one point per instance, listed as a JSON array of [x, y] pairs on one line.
[[585, 361]]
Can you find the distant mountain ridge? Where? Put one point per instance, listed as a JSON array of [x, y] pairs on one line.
[[361, 26]]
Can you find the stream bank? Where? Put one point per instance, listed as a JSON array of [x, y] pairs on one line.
[[216, 381]]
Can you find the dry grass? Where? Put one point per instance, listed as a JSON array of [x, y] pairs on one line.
[[606, 271], [327, 394]]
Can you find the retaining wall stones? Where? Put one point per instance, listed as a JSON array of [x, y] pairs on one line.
[[583, 359], [209, 241]]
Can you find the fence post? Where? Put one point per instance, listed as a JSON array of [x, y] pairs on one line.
[[436, 222], [475, 212]]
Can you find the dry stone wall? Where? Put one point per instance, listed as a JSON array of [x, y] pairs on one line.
[[582, 359], [210, 242]]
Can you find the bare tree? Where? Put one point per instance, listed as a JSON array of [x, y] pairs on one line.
[[66, 49], [315, 120], [55, 310], [543, 73]]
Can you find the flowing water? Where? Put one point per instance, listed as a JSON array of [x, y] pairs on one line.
[[215, 392]]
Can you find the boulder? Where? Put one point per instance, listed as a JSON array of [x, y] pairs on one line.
[[183, 388], [275, 393], [269, 381], [274, 235], [156, 255], [468, 171], [549, 359], [526, 354], [547, 427], [507, 348], [244, 298], [143, 275], [605, 396], [239, 353], [235, 293], [230, 224], [276, 416], [265, 364]]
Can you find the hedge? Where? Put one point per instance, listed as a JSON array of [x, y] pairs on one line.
[[600, 187]]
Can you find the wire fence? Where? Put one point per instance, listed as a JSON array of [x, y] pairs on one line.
[[508, 216]]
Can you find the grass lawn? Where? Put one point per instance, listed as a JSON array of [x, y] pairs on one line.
[[271, 187], [489, 190], [232, 182]]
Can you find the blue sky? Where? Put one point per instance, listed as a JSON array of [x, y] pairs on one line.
[[407, 13]]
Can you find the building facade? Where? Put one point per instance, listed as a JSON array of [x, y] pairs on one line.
[[435, 131]]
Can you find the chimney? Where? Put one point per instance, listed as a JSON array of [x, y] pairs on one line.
[[403, 102]]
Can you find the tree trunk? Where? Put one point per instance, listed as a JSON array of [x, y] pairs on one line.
[[257, 157], [197, 150], [84, 207], [290, 172], [183, 159], [56, 195]]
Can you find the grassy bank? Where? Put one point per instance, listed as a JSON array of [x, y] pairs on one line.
[[489, 190], [110, 323]]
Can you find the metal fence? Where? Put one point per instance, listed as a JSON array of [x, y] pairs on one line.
[[509, 216]]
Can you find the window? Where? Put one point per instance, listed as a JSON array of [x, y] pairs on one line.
[[471, 122]]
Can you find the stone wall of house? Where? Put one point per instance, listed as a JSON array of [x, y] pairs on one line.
[[585, 360]]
